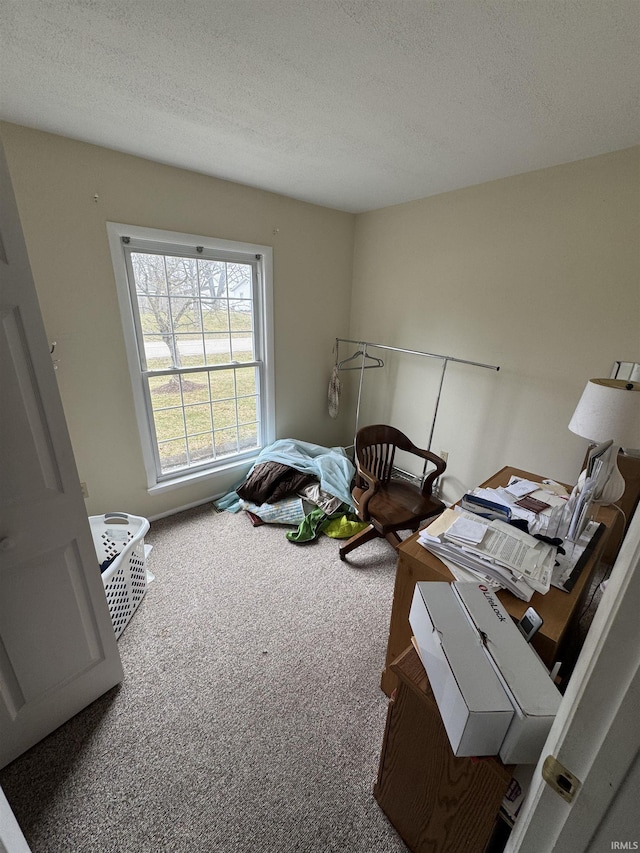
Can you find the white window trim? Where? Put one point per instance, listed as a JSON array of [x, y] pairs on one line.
[[116, 231]]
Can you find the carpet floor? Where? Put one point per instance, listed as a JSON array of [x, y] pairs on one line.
[[250, 717]]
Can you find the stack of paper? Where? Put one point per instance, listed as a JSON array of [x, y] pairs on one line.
[[491, 549], [466, 531], [551, 521]]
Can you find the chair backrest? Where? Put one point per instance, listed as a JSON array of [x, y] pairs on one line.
[[375, 448]]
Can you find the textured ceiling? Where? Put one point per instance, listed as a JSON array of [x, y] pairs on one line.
[[354, 104]]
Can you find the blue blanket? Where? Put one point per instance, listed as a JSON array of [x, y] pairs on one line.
[[329, 464]]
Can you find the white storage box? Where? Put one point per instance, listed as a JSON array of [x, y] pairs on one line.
[[534, 696], [469, 619], [121, 536], [474, 706]]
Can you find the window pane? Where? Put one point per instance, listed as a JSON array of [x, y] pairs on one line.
[[186, 314], [241, 347], [218, 348], [173, 454], [200, 448], [226, 441], [248, 436], [247, 381], [169, 423], [240, 313], [182, 276], [190, 350], [197, 418], [215, 315], [223, 384], [149, 274], [213, 279], [154, 314], [195, 388], [157, 353], [165, 392], [239, 281], [155, 383], [247, 410], [224, 413]]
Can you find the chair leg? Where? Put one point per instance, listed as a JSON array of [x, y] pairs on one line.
[[393, 538], [365, 535]]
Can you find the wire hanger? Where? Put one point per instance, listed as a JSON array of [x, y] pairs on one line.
[[378, 362]]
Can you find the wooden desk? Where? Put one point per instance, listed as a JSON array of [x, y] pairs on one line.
[[437, 802], [557, 608]]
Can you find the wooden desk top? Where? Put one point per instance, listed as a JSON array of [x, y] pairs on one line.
[[556, 607]]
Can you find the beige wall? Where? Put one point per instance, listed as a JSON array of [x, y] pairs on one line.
[[539, 274], [55, 180]]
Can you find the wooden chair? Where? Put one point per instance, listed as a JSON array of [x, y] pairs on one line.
[[389, 504]]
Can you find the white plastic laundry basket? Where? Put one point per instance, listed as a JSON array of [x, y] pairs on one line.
[[120, 535]]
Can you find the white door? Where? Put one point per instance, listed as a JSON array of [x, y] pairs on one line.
[[57, 646], [596, 735], [11, 838]]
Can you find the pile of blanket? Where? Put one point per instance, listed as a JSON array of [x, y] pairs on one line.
[[300, 484]]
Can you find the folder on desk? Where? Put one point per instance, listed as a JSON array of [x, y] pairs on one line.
[[485, 508]]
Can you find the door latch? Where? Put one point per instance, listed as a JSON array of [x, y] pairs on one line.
[[560, 779]]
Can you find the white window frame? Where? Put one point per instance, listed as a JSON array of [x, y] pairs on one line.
[[168, 241]]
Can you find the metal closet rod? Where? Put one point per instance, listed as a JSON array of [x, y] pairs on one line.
[[445, 359], [417, 352]]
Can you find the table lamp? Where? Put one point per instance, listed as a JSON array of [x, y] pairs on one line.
[[609, 410]]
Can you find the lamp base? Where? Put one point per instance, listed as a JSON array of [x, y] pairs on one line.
[[613, 488]]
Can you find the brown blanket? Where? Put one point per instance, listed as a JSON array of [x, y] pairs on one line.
[[271, 481]]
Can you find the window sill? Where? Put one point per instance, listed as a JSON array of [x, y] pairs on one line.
[[241, 466]]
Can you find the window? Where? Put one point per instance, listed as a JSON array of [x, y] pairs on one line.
[[197, 321]]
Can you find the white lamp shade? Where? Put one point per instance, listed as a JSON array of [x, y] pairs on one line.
[[609, 409]]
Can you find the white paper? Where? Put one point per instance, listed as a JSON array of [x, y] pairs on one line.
[[469, 559], [497, 496], [520, 488], [469, 575], [465, 530], [504, 552]]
